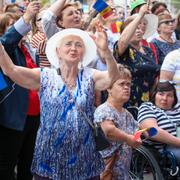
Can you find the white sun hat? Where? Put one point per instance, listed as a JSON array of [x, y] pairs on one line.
[[152, 25], [90, 46]]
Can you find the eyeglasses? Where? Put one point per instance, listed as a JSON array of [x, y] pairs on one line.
[[167, 22]]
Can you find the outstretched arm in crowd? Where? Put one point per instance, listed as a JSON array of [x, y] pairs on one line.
[[57, 6], [129, 31], [163, 136], [49, 18], [104, 80], [25, 77]]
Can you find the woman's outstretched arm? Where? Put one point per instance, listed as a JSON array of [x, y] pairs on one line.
[[25, 77], [104, 80]]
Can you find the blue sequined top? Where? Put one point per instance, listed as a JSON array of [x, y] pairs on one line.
[[65, 147], [163, 48]]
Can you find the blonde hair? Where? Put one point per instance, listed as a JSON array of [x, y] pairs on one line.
[[123, 73]]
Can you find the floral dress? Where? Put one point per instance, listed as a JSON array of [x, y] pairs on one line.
[[124, 121], [65, 147], [163, 48], [144, 71]]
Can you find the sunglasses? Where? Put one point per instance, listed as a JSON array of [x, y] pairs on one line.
[[167, 22]]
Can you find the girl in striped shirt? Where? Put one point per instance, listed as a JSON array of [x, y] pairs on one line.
[[163, 113]]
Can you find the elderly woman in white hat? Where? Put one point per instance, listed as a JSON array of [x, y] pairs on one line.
[[140, 59], [65, 147]]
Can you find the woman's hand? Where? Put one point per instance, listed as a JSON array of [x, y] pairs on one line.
[[101, 40], [144, 10], [132, 142], [32, 9]]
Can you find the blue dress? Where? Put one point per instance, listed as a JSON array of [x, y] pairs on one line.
[[163, 48], [65, 147]]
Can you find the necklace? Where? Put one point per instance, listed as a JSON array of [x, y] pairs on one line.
[[167, 40], [70, 85]]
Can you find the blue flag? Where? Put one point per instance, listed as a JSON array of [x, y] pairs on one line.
[[100, 5], [3, 83]]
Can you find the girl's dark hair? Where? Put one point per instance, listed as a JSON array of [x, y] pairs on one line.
[[163, 87]]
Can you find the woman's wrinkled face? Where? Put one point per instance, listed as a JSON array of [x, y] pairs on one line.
[[71, 49], [164, 100], [167, 26], [138, 35], [121, 90], [71, 18]]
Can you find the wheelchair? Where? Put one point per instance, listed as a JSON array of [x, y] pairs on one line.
[[149, 164]]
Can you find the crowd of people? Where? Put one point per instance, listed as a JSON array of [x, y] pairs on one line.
[[65, 69]]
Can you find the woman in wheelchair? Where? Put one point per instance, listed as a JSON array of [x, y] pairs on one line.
[[119, 126], [163, 113]]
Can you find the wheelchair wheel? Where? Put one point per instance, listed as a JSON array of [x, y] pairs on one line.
[[144, 166]]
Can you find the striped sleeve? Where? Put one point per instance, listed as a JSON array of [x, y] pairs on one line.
[[146, 111]]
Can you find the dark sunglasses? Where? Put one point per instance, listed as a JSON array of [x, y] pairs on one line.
[[167, 22]]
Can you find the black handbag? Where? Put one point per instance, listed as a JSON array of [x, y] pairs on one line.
[[100, 139]]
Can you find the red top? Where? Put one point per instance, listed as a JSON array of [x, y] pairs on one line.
[[34, 103]]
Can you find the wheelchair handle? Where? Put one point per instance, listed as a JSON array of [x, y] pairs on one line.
[[175, 173]]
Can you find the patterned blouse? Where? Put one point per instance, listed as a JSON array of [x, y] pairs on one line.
[[163, 48], [65, 147], [124, 121], [144, 70]]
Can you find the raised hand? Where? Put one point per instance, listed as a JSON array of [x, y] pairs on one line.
[[101, 39], [144, 10], [31, 10]]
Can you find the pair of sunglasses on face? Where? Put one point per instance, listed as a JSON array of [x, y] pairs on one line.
[[167, 22]]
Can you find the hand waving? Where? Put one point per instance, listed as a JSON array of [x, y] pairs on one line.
[[101, 40], [32, 9]]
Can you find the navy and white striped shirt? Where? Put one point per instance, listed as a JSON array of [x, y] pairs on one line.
[[166, 119]]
